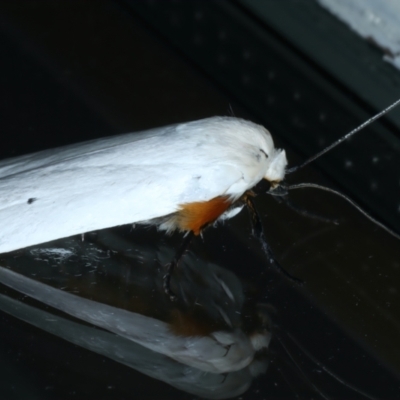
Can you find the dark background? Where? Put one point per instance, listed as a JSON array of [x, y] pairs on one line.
[[77, 70]]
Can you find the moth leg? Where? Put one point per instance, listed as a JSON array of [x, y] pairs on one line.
[[303, 212], [174, 263], [258, 232]]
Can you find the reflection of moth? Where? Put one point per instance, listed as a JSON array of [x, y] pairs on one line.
[[212, 344]]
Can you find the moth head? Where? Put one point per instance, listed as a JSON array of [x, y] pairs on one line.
[[276, 167]]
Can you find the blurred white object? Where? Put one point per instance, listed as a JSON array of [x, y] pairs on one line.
[[375, 20]]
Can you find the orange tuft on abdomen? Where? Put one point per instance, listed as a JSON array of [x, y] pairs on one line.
[[195, 216]]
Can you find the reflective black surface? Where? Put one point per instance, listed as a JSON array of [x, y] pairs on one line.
[[73, 71]]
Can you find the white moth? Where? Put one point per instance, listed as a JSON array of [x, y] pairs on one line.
[[191, 172], [183, 176]]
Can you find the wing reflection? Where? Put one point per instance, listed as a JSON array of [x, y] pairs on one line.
[[210, 343]]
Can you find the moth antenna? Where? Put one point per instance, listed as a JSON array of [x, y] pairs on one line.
[[354, 204], [343, 138]]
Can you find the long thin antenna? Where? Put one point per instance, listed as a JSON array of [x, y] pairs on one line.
[[327, 189], [343, 138]]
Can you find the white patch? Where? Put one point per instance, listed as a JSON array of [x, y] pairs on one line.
[[232, 212], [260, 340], [57, 254], [277, 166], [371, 19]]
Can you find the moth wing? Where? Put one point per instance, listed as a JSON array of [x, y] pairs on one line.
[[103, 183]]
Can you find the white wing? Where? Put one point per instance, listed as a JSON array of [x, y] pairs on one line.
[[127, 178], [208, 353]]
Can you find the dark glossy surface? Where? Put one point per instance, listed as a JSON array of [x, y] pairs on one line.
[[73, 71]]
